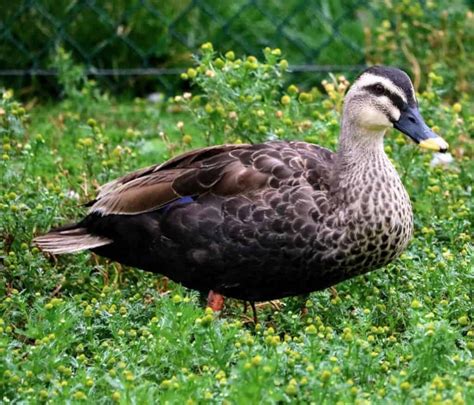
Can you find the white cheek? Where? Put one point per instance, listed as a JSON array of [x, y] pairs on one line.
[[395, 114], [373, 118]]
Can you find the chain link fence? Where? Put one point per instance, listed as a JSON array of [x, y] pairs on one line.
[[141, 42]]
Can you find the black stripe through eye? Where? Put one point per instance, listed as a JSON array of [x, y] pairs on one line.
[[378, 90]]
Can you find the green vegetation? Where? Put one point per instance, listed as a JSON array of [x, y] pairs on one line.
[[81, 329], [417, 35], [425, 36]]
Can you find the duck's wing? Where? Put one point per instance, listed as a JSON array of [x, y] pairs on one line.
[[188, 174], [318, 164], [222, 170]]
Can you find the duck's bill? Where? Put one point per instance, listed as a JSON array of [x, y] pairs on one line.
[[411, 123]]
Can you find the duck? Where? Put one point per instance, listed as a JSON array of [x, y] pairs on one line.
[[259, 222]]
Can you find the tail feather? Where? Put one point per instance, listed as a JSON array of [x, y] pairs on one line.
[[71, 240]]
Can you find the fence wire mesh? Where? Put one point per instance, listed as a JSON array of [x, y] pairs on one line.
[[128, 39]]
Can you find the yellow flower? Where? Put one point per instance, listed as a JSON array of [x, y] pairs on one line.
[[292, 89], [177, 298], [256, 360], [415, 304], [283, 64], [285, 100], [129, 376], [405, 386], [457, 107], [230, 55], [207, 47], [306, 97], [292, 387], [7, 94], [325, 375], [463, 320], [79, 395], [219, 63], [276, 52], [187, 139]]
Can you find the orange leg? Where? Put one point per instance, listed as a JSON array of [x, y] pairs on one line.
[[215, 301]]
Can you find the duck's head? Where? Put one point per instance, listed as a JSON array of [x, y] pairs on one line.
[[383, 97]]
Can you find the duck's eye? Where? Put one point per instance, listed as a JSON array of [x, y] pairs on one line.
[[379, 90]]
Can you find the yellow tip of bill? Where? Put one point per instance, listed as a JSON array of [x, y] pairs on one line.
[[437, 144]]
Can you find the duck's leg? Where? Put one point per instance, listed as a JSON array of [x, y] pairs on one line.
[[215, 301], [246, 318], [276, 305], [254, 311]]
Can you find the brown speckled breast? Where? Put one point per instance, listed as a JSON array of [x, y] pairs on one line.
[[372, 221]]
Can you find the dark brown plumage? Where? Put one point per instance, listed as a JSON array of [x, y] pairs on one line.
[[260, 222]]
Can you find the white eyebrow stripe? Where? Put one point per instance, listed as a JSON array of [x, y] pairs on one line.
[[368, 79]]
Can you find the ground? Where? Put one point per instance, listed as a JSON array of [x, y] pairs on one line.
[[79, 328]]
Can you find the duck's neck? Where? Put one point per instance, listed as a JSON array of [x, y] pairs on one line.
[[361, 160], [357, 143]]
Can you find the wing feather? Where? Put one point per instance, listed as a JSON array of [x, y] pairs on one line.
[[222, 170]]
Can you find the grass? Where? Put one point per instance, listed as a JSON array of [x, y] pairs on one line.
[[81, 329]]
